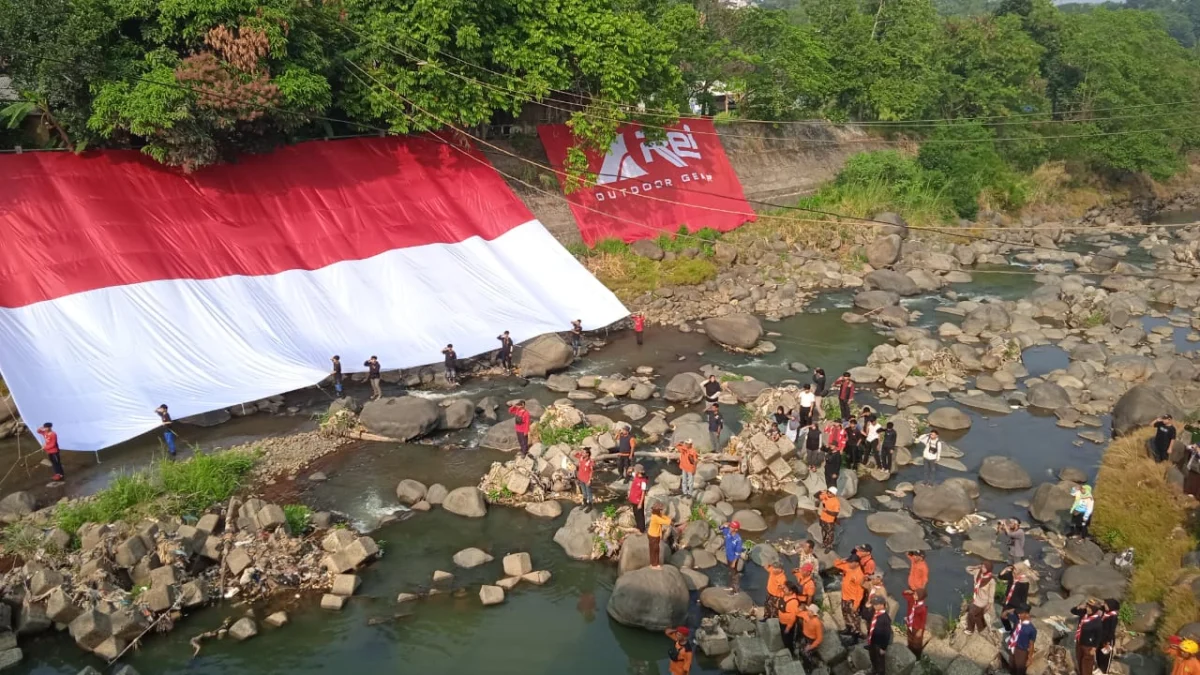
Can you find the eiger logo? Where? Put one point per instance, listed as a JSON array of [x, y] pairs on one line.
[[622, 164]]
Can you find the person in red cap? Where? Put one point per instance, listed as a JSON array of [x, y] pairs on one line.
[[521, 414], [806, 586], [681, 651]]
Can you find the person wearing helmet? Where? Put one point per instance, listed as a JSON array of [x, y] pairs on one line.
[[830, 508], [1184, 653], [734, 550], [680, 652]]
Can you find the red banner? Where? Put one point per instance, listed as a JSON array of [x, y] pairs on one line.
[[645, 188]]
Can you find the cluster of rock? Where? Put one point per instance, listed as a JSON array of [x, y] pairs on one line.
[[125, 578], [466, 501]]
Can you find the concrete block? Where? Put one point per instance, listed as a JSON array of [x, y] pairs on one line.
[[208, 523], [337, 540], [91, 536], [270, 517], [190, 539], [750, 655], [769, 633], [141, 572], [60, 608], [159, 598], [194, 594], [8, 640], [713, 641], [332, 602], [110, 648], [32, 619], [238, 560], [164, 576], [130, 551], [538, 578], [243, 629], [96, 568], [508, 583], [128, 624], [43, 580], [211, 548], [491, 595], [91, 628], [58, 540], [6, 617], [277, 619], [345, 585], [517, 564], [360, 551], [337, 563], [10, 658]]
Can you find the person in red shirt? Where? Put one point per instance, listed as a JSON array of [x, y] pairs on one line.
[[845, 394], [637, 496], [522, 426], [50, 445], [915, 620], [639, 325], [584, 466]]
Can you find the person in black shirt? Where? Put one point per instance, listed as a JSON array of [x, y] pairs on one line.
[[854, 439], [337, 374], [1109, 623], [577, 335], [888, 449], [1164, 436], [715, 426], [168, 432], [451, 364], [1016, 594], [712, 391], [879, 635], [506, 350], [1088, 635], [372, 366], [820, 390], [812, 446]]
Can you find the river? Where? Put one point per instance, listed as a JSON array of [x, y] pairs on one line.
[[562, 626]]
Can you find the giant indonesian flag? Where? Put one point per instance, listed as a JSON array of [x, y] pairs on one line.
[[124, 284]]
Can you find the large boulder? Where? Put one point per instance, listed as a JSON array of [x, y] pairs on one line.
[[1142, 404], [724, 601], [211, 418], [735, 330], [895, 224], [1050, 503], [402, 418], [409, 491], [948, 502], [693, 429], [874, 300], [683, 388], [1102, 581], [887, 523], [575, 536], [635, 553], [16, 506], [1004, 473], [949, 419], [501, 436], [650, 599], [1049, 396], [986, 317], [456, 414], [466, 501], [883, 251], [543, 355], [891, 281], [735, 487]]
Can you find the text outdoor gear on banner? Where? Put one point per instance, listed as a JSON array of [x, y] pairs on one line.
[[646, 187]]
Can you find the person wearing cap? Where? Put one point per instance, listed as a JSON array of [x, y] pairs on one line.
[[521, 425], [50, 447], [504, 356], [1021, 642], [585, 466], [790, 606], [734, 549], [777, 586], [1081, 511], [983, 594], [931, 454], [915, 620], [812, 633], [1016, 593], [852, 593], [1088, 634], [626, 444], [806, 585], [1164, 437], [168, 430], [918, 571], [879, 635], [1109, 623], [336, 373], [680, 652], [1184, 654], [655, 529], [688, 458], [866, 559], [638, 487], [830, 508], [374, 371]]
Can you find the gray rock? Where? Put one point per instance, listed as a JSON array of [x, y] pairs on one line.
[[575, 537], [893, 522], [1004, 473], [723, 601], [409, 491], [1050, 504], [635, 553], [650, 599], [746, 390], [1145, 617], [902, 542], [243, 629], [683, 388], [466, 501], [546, 509], [735, 330], [947, 502], [735, 487], [883, 251], [949, 419], [401, 418], [646, 248], [91, 628], [456, 414], [561, 383], [786, 506], [1049, 396], [469, 558], [543, 355], [207, 419], [1142, 404], [986, 317], [750, 655], [1102, 581], [1083, 552], [16, 506], [875, 300], [501, 436], [436, 494], [750, 521], [891, 281], [346, 403]]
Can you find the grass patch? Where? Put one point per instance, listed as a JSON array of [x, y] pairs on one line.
[[1096, 318], [552, 435], [628, 275], [732, 377], [21, 539], [1136, 506], [164, 488], [297, 516]]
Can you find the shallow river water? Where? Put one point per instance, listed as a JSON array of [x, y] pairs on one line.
[[561, 627]]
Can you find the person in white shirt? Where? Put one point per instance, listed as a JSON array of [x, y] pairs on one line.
[[932, 454], [808, 402], [872, 449]]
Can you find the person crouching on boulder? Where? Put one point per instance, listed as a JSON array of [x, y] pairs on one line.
[[50, 445]]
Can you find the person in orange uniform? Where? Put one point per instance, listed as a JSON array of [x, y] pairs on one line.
[[687, 467], [789, 615], [777, 588], [918, 572], [812, 632], [681, 651], [807, 584], [915, 620], [865, 560], [852, 594], [830, 508], [1184, 655]]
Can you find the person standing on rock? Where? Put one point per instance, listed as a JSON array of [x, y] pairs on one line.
[[638, 487], [793, 428], [812, 634], [337, 374], [735, 549], [373, 368], [879, 636], [833, 466], [168, 430], [521, 426], [983, 594], [820, 391], [1088, 635], [866, 559], [451, 364], [806, 584], [854, 442], [688, 457], [50, 447], [577, 336], [807, 556], [931, 454], [1021, 642], [506, 351], [1164, 437], [1011, 529], [712, 392], [830, 507], [887, 448], [625, 447], [807, 405], [716, 424], [655, 529], [852, 594], [845, 393], [1016, 594], [1110, 623], [1081, 511], [777, 586], [680, 652], [790, 607], [871, 430], [915, 620], [585, 466], [812, 447], [639, 325], [918, 571]]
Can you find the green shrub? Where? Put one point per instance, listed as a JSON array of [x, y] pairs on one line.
[[687, 271], [297, 516]]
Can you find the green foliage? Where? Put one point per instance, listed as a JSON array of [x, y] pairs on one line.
[[963, 161], [610, 511], [731, 377], [1096, 318], [686, 271], [163, 488], [297, 516], [20, 539], [553, 435]]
